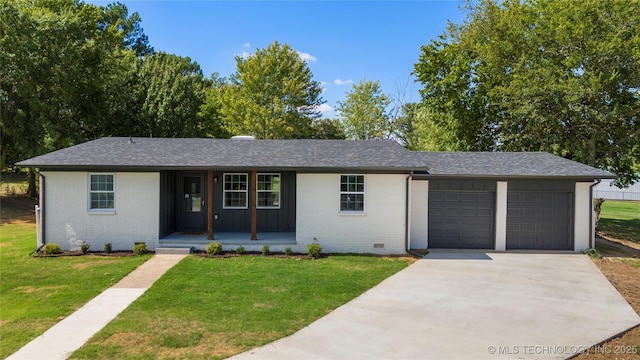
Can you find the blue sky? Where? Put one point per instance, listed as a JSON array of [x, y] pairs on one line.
[[342, 41]]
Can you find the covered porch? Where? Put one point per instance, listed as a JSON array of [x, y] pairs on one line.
[[230, 206]]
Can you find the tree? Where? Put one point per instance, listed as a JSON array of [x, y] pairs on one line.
[[424, 132], [364, 112], [271, 95], [556, 76], [51, 54], [117, 15], [210, 114], [327, 129], [173, 90]]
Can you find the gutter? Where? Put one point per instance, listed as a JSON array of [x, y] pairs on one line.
[[592, 230], [407, 214], [43, 182]]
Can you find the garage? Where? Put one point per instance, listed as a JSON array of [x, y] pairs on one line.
[[539, 215], [461, 214]]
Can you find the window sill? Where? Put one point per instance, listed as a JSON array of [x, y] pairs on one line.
[[352, 213], [98, 212]]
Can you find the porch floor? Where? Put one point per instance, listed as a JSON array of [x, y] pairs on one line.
[[229, 238]]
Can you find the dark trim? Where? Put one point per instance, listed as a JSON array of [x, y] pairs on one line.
[[592, 230], [420, 173], [210, 176], [254, 214], [509, 177], [43, 183]]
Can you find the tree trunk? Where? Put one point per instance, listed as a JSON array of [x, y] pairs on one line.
[[32, 191], [597, 207]]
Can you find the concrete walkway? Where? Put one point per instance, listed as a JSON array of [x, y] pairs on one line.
[[457, 305], [71, 333]]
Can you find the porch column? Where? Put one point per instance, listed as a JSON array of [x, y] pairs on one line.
[[210, 190], [254, 195]]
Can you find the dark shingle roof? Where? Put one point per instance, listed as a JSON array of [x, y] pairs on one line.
[[507, 164], [305, 155], [226, 153]]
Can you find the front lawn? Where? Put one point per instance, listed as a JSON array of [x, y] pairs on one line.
[[217, 307], [620, 220], [36, 293]]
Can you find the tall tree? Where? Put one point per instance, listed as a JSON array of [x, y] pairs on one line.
[[172, 89], [557, 76], [327, 129], [210, 114], [116, 16], [272, 95], [364, 112], [56, 60]]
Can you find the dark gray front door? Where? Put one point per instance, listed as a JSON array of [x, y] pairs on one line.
[[461, 217], [192, 208], [539, 220]]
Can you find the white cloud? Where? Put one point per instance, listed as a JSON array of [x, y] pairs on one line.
[[326, 110], [342, 82], [306, 56], [323, 86], [246, 45], [245, 55]]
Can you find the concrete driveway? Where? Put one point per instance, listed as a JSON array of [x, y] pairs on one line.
[[469, 305]]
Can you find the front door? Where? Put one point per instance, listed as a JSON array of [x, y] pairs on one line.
[[192, 209]]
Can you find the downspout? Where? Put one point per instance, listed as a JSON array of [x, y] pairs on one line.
[[41, 196], [407, 214], [592, 230]]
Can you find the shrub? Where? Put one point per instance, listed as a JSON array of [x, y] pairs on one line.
[[50, 249], [107, 247], [140, 249], [287, 251], [265, 250], [240, 250], [84, 247], [214, 248], [314, 250]]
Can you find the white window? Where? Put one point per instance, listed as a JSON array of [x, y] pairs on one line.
[[268, 191], [352, 193], [102, 192], [235, 191]]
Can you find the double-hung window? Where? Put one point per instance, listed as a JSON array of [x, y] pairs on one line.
[[102, 192], [352, 193], [268, 191], [235, 191]]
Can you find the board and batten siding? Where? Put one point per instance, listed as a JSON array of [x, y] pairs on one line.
[[68, 221], [319, 220]]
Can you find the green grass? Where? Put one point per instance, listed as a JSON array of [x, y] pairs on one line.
[[217, 307], [36, 293], [621, 220]]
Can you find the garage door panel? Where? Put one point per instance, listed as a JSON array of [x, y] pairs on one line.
[[539, 219], [461, 218], [469, 197], [452, 197], [485, 212]]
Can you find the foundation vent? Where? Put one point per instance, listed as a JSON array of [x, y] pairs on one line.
[[378, 246]]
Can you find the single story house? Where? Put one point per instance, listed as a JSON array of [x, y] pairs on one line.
[[370, 196]]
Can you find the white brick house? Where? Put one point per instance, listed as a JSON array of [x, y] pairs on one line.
[[348, 196]]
